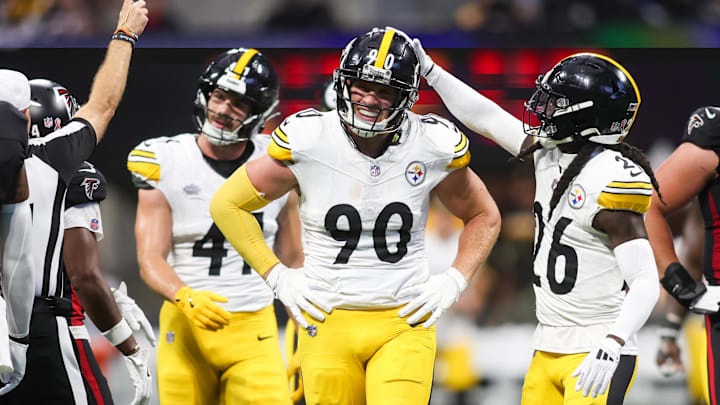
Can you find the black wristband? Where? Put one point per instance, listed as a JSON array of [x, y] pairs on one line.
[[121, 36]]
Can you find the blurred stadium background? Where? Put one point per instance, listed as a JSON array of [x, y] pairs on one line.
[[498, 46]]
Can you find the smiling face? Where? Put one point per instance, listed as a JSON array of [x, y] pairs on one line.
[[373, 97], [226, 110]]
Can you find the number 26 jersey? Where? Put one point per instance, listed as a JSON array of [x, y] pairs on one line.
[[200, 255], [363, 218], [578, 286]]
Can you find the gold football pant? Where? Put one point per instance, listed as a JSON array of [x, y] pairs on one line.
[[368, 357], [549, 381], [239, 364]]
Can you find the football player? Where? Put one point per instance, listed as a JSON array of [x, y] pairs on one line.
[[53, 372], [219, 339], [53, 106], [16, 275], [692, 171], [364, 174], [594, 273]]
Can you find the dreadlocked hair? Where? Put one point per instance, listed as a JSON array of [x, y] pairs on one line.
[[573, 169], [639, 158], [525, 152]]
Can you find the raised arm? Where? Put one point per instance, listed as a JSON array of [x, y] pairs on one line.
[[474, 110], [109, 83]]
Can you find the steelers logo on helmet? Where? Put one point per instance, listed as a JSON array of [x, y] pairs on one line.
[[249, 77], [381, 56], [51, 107], [584, 95]]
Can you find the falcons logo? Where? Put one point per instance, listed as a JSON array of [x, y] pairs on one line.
[[90, 186], [695, 122], [70, 103]]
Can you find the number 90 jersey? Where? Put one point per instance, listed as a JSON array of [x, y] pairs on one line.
[[200, 255], [578, 286], [364, 218]]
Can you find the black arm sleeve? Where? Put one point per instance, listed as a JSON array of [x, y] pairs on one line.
[[87, 185], [65, 149]]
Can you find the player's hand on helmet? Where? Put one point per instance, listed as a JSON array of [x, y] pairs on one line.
[[298, 293], [134, 316], [140, 376], [426, 62], [434, 297], [597, 369], [201, 308], [133, 16], [18, 357]]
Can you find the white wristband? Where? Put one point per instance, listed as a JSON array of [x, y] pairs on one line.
[[118, 333]]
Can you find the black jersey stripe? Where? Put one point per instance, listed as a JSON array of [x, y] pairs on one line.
[[58, 205]]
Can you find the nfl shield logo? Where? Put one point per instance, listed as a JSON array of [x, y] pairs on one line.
[[312, 331], [374, 170], [48, 122], [170, 337]]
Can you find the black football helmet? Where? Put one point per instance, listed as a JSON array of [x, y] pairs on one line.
[[584, 95], [384, 56], [51, 107], [246, 72]]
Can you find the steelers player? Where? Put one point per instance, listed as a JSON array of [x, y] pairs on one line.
[[365, 173], [594, 273], [218, 331]]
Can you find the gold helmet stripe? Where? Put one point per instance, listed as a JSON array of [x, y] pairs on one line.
[[384, 48], [629, 76], [243, 61]]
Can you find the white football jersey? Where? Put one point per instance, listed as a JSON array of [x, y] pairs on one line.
[[578, 286], [200, 254], [364, 218]]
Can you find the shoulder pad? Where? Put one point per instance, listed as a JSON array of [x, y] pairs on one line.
[[87, 185], [143, 161], [703, 128], [446, 135], [280, 147], [626, 187]]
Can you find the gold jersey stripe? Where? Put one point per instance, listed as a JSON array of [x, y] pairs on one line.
[[459, 162], [384, 48], [150, 171], [243, 61], [143, 153], [281, 135], [629, 202], [631, 184], [278, 152], [462, 144]]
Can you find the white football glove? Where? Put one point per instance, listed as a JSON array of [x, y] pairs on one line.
[[298, 292], [140, 376], [134, 316], [598, 367], [709, 302], [426, 62], [18, 354], [434, 296]]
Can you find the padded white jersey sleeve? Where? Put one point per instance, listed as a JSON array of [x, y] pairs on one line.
[[637, 265], [476, 111], [17, 267]]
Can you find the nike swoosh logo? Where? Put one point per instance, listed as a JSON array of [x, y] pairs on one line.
[[709, 114], [261, 338], [635, 174], [90, 170]]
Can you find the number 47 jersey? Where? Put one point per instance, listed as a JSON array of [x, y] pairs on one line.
[[363, 218], [200, 255], [578, 286]]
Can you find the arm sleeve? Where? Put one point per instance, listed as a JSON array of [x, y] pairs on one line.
[[86, 216], [231, 209], [477, 112], [65, 149], [637, 265], [703, 129], [17, 267], [143, 163]]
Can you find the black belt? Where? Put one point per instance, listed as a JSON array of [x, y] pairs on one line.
[[55, 305]]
